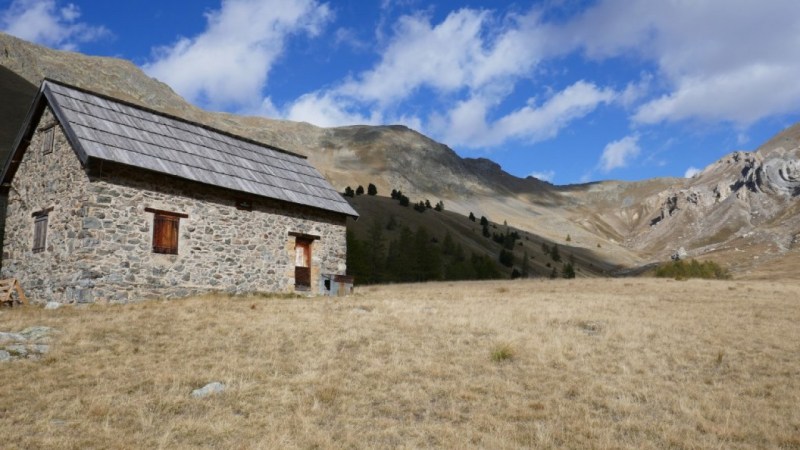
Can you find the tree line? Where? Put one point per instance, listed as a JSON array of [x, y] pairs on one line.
[[413, 256]]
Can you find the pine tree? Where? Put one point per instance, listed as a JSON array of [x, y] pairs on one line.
[[348, 192], [554, 254], [567, 271], [372, 190], [360, 190], [376, 252], [471, 216], [525, 270], [506, 258], [439, 206], [484, 221], [392, 223]]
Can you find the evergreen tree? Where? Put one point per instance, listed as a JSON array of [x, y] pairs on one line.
[[360, 190], [392, 223], [428, 257], [394, 194], [348, 192], [375, 251], [404, 201], [484, 221], [486, 232], [471, 216], [448, 245], [439, 206], [554, 274], [419, 207], [357, 265], [506, 258], [526, 266], [568, 271], [372, 190], [428, 204], [554, 255]]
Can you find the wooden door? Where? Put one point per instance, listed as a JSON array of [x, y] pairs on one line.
[[302, 263]]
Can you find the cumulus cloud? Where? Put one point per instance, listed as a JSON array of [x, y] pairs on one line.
[[469, 57], [618, 154], [468, 125], [691, 171], [719, 60], [547, 175], [228, 64], [46, 23]]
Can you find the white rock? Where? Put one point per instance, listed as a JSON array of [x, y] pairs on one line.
[[211, 388], [52, 305]]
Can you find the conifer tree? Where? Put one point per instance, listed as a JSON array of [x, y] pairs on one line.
[[372, 189]]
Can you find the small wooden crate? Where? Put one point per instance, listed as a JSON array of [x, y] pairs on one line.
[[9, 286]]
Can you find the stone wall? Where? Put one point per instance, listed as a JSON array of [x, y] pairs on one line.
[[99, 245]]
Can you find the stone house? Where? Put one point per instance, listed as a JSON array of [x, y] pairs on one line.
[[109, 201]]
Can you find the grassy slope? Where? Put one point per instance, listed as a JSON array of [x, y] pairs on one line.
[[468, 234], [605, 363]]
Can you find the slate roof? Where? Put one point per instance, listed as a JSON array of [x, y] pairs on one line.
[[103, 128]]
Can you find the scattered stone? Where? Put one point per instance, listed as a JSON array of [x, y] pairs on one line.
[[52, 305], [209, 389], [10, 337], [680, 254], [30, 343]]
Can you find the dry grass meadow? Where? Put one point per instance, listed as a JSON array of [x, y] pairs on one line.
[[608, 363]]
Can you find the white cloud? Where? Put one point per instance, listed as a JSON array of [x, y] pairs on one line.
[[547, 175], [228, 64], [327, 110], [618, 154], [711, 67], [691, 171], [43, 22], [467, 123]]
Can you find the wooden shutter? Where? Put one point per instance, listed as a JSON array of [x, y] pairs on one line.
[[47, 140], [39, 233], [166, 226], [165, 234]]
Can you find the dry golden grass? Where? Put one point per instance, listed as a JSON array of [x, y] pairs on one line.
[[633, 363]]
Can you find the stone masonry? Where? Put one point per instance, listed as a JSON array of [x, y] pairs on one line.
[[99, 236]]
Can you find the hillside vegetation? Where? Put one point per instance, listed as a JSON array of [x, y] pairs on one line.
[[395, 243], [604, 363]]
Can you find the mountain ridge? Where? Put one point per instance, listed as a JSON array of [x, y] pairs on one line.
[[741, 209]]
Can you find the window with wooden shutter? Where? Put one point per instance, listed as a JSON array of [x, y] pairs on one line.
[[47, 140], [40, 231], [166, 227]]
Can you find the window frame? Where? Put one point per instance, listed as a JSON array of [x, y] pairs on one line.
[[48, 139], [161, 221], [40, 225]]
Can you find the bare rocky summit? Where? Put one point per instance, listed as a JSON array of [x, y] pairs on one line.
[[741, 210]]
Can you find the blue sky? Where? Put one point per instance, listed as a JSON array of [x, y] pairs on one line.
[[566, 90]]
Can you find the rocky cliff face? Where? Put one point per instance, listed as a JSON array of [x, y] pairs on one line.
[[742, 209]]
